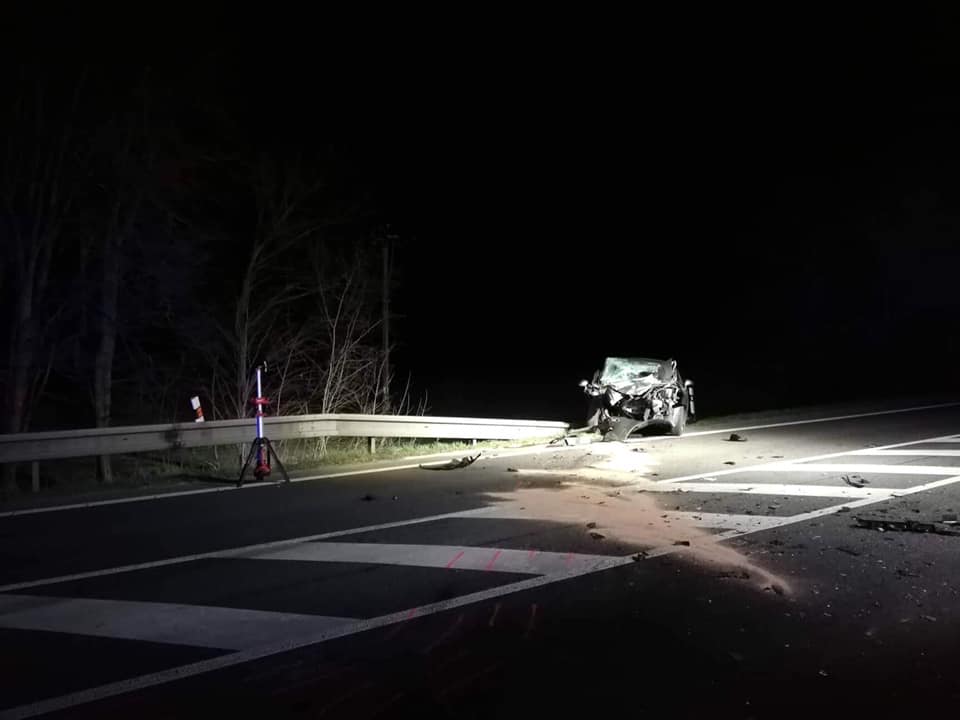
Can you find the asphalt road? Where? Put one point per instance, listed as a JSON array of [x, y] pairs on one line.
[[693, 575]]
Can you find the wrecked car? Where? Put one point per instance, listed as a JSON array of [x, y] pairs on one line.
[[638, 394]]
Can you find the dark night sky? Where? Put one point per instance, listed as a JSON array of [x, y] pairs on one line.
[[781, 220], [773, 200]]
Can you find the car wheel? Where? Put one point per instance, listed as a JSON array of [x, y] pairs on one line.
[[679, 420], [594, 412]]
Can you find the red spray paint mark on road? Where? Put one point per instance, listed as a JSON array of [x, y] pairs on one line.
[[493, 559], [413, 611], [532, 554], [455, 558], [568, 559]]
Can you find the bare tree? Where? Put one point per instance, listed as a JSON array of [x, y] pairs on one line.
[[40, 180]]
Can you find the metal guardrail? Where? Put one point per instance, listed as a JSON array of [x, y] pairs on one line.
[[33, 447]]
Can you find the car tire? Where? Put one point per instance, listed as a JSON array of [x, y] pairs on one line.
[[679, 420], [594, 412]]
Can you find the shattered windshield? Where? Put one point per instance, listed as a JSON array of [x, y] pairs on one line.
[[628, 372]]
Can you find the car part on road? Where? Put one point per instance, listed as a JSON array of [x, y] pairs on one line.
[[917, 526], [453, 464], [637, 394]]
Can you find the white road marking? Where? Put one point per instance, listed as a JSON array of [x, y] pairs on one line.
[[811, 458], [533, 450], [14, 587], [705, 520], [813, 514], [154, 679], [121, 501], [825, 491], [438, 556], [918, 453], [194, 625], [144, 681], [725, 521], [855, 468], [853, 416], [224, 661]]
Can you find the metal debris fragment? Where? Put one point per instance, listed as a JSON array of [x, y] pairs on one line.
[[453, 464], [735, 437], [917, 526], [855, 481]]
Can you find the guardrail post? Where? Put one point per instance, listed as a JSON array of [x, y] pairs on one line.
[[35, 476], [373, 445]]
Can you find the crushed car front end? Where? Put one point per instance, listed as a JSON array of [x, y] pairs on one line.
[[638, 395]]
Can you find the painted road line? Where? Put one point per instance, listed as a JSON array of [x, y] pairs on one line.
[[533, 450], [705, 520], [811, 458], [858, 468], [908, 453], [436, 556], [14, 587], [224, 661], [825, 491], [193, 625], [151, 680], [813, 514], [724, 521], [834, 418], [121, 501]]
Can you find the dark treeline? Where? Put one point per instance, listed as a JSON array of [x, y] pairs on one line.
[[154, 248]]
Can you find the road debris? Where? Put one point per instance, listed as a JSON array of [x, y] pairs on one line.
[[597, 536], [591, 525], [684, 543], [735, 437], [729, 462], [848, 551], [512, 470], [642, 555], [917, 526], [844, 509], [928, 618], [453, 464], [855, 481], [368, 497]]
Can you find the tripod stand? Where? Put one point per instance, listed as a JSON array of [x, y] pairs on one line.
[[261, 449]]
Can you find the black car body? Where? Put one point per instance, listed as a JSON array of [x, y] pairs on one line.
[[638, 394]]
